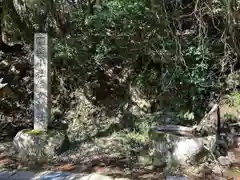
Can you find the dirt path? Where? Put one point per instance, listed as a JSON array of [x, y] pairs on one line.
[[114, 167]]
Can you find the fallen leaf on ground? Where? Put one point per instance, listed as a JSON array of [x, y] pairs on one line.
[[5, 162], [66, 167]]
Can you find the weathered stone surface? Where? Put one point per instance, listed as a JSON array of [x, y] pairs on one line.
[[48, 175], [179, 150], [94, 176], [42, 106], [68, 176], [224, 161], [5, 175], [22, 175], [176, 178], [39, 145], [186, 149], [217, 170], [16, 175]]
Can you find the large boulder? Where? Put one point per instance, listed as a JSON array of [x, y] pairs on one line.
[[39, 146], [178, 150]]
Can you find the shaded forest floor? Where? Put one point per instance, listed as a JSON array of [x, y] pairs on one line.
[[117, 167]]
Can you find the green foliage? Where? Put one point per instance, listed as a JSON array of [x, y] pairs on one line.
[[147, 44], [63, 50], [228, 116], [34, 132], [188, 116], [235, 99], [176, 61]]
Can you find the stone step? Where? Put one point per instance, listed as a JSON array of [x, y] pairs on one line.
[[16, 175], [48, 175], [52, 175]]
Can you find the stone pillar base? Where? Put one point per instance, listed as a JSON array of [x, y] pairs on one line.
[[39, 146]]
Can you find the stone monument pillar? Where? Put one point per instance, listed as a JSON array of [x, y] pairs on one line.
[[40, 144], [42, 84]]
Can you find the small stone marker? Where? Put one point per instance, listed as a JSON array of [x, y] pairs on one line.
[[41, 81], [40, 145]]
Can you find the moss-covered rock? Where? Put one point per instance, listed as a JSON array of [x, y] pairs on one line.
[[37, 145]]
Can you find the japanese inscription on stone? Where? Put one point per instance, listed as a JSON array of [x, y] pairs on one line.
[[41, 81]]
